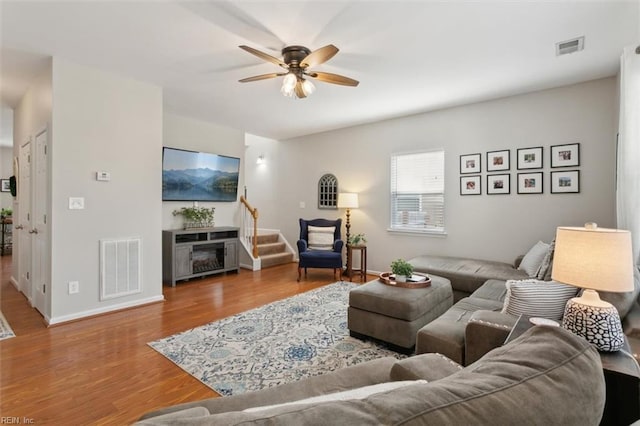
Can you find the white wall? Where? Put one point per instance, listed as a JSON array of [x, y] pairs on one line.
[[194, 135], [497, 227], [103, 122], [262, 179]]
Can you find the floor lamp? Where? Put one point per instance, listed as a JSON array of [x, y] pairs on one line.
[[594, 259], [348, 200]]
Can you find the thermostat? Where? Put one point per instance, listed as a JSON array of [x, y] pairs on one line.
[[103, 176]]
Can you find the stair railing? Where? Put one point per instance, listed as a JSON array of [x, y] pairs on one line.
[[250, 225]]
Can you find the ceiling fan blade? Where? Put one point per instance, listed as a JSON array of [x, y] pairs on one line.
[[264, 56], [319, 56], [261, 77], [299, 92], [328, 77]]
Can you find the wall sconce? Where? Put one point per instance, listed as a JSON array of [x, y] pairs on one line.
[[260, 159]]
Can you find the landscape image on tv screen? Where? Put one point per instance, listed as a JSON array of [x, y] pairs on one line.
[[198, 176]]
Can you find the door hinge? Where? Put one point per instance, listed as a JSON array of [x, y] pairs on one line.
[[29, 158], [44, 288], [28, 216], [45, 218], [45, 150], [27, 274]]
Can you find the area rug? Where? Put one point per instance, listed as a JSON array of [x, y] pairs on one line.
[[5, 330], [302, 336]]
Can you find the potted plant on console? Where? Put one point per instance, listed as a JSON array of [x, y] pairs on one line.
[[196, 217], [402, 270]]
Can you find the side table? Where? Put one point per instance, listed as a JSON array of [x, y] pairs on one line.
[[363, 262], [621, 376]]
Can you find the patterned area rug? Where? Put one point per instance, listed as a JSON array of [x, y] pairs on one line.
[[304, 335], [5, 330]]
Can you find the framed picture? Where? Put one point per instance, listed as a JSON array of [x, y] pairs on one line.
[[530, 158], [470, 185], [566, 181], [498, 160], [565, 155], [4, 185], [530, 183], [498, 184], [470, 163]]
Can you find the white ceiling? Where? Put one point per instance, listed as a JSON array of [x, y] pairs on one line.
[[409, 57]]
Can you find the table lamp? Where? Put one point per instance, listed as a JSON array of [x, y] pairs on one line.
[[348, 200], [594, 259]]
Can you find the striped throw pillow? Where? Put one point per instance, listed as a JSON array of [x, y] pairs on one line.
[[534, 298], [321, 237]]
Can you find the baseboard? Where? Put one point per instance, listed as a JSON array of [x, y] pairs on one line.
[[15, 283], [106, 309]]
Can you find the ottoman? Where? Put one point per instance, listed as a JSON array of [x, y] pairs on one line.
[[395, 314]]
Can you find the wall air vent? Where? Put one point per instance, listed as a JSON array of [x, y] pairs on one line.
[[570, 46]]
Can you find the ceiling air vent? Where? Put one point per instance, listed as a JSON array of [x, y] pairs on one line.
[[569, 46]]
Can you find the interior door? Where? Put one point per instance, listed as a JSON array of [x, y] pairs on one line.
[[22, 228], [39, 224]]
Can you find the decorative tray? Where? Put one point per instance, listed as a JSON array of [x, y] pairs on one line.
[[417, 280]]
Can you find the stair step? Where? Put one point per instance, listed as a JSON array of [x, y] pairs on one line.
[[267, 238], [271, 248], [276, 259]]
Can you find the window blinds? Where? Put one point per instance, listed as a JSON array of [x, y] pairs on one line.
[[417, 191]]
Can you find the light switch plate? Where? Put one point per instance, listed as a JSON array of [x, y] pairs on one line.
[[76, 203]]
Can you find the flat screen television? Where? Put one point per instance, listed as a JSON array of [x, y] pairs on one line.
[[198, 176]]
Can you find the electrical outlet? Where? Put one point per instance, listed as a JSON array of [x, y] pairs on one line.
[[74, 287]]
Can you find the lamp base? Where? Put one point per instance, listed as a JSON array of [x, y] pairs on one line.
[[598, 323]]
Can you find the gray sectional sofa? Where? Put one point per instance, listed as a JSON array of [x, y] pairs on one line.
[[475, 325], [531, 380]]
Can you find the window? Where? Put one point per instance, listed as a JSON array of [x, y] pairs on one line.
[[328, 192], [417, 192]]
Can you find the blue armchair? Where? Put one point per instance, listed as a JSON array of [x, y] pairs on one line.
[[319, 255]]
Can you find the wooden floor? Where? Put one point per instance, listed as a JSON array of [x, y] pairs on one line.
[[100, 370]]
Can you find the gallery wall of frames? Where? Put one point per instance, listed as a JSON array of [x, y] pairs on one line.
[[529, 178]]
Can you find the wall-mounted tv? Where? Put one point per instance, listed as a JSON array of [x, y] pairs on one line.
[[198, 176]]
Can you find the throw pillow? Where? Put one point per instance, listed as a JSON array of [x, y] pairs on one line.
[[357, 393], [544, 273], [534, 298], [533, 259], [321, 237]]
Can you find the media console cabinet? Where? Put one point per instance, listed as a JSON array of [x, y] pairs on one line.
[[191, 253]]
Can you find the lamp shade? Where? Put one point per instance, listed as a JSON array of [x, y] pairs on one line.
[[594, 258], [347, 200]]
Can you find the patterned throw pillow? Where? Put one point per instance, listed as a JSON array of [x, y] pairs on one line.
[[544, 273], [534, 298], [321, 237], [533, 259]]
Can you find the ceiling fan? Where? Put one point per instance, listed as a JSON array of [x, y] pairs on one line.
[[297, 61]]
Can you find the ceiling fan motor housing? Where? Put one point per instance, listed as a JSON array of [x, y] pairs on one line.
[[293, 55]]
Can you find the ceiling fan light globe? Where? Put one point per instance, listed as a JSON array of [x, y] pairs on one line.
[[289, 82], [308, 87], [289, 92]]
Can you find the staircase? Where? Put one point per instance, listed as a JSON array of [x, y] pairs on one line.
[[271, 251]]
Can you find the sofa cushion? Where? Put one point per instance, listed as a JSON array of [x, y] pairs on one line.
[[348, 395], [624, 301], [321, 237], [429, 367], [492, 290], [533, 259], [466, 275], [534, 298], [445, 334]]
